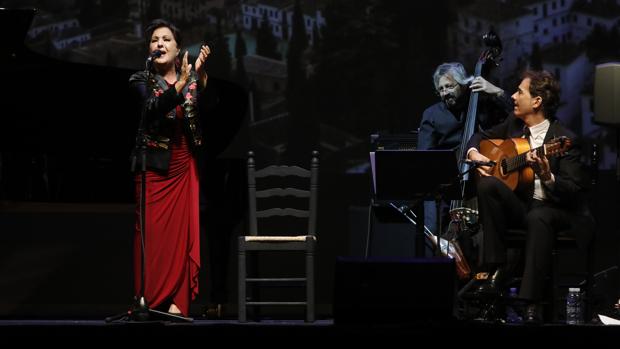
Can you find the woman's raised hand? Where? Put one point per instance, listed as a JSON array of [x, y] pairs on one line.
[[205, 51]]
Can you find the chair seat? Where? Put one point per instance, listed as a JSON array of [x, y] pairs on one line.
[[277, 243], [563, 239], [567, 235], [280, 238]]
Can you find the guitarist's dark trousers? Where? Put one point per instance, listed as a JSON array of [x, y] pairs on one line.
[[501, 209]]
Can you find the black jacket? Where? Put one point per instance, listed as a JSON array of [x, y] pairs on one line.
[[158, 105], [442, 128], [572, 180]]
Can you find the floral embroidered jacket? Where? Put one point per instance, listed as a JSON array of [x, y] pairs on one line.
[[158, 105]]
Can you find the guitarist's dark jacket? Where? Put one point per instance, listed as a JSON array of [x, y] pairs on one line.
[[572, 180]]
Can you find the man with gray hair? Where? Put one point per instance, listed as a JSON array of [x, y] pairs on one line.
[[443, 122]]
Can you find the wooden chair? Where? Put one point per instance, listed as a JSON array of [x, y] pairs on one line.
[[260, 241]]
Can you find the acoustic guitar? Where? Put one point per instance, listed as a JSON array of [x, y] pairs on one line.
[[509, 157]]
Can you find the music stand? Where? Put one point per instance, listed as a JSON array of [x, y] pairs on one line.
[[407, 178]]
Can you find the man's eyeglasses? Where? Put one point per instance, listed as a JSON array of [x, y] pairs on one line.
[[450, 87]]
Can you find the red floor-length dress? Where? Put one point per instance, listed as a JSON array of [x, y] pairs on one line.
[[172, 258]]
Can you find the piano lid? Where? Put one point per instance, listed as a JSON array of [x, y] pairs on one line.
[[15, 23], [80, 121], [65, 128]]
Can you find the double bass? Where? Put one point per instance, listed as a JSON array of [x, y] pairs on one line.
[[464, 213]]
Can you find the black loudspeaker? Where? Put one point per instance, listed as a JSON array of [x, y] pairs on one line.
[[413, 290], [606, 90]]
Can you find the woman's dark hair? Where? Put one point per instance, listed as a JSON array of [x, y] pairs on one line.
[[160, 23], [545, 85]]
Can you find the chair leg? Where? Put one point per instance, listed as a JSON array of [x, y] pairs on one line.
[[310, 286], [556, 305], [369, 231], [242, 314], [589, 312]]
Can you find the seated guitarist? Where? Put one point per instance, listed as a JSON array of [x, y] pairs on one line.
[[547, 206]]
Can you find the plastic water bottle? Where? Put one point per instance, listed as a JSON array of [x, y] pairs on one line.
[[574, 308], [512, 317]]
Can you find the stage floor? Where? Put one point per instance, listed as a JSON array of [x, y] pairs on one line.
[[271, 331]]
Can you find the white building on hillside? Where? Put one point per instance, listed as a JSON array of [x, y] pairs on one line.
[[570, 65], [280, 16], [54, 24]]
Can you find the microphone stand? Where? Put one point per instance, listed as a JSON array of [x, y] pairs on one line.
[[140, 311]]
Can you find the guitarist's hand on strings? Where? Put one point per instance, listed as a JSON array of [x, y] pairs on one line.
[[474, 155], [540, 165]]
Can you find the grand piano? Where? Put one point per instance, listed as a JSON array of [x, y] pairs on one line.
[[67, 129]]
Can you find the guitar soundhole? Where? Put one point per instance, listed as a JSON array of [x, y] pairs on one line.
[[504, 166]]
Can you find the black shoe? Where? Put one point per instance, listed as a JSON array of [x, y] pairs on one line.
[[533, 314], [492, 286]]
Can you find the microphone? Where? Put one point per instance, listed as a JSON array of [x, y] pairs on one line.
[[149, 61], [480, 163], [155, 54]]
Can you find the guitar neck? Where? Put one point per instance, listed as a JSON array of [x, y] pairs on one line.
[[518, 162]]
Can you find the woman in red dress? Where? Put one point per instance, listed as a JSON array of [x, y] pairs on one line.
[[169, 128]]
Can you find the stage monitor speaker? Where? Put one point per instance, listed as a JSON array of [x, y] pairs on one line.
[[606, 92], [384, 291]]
